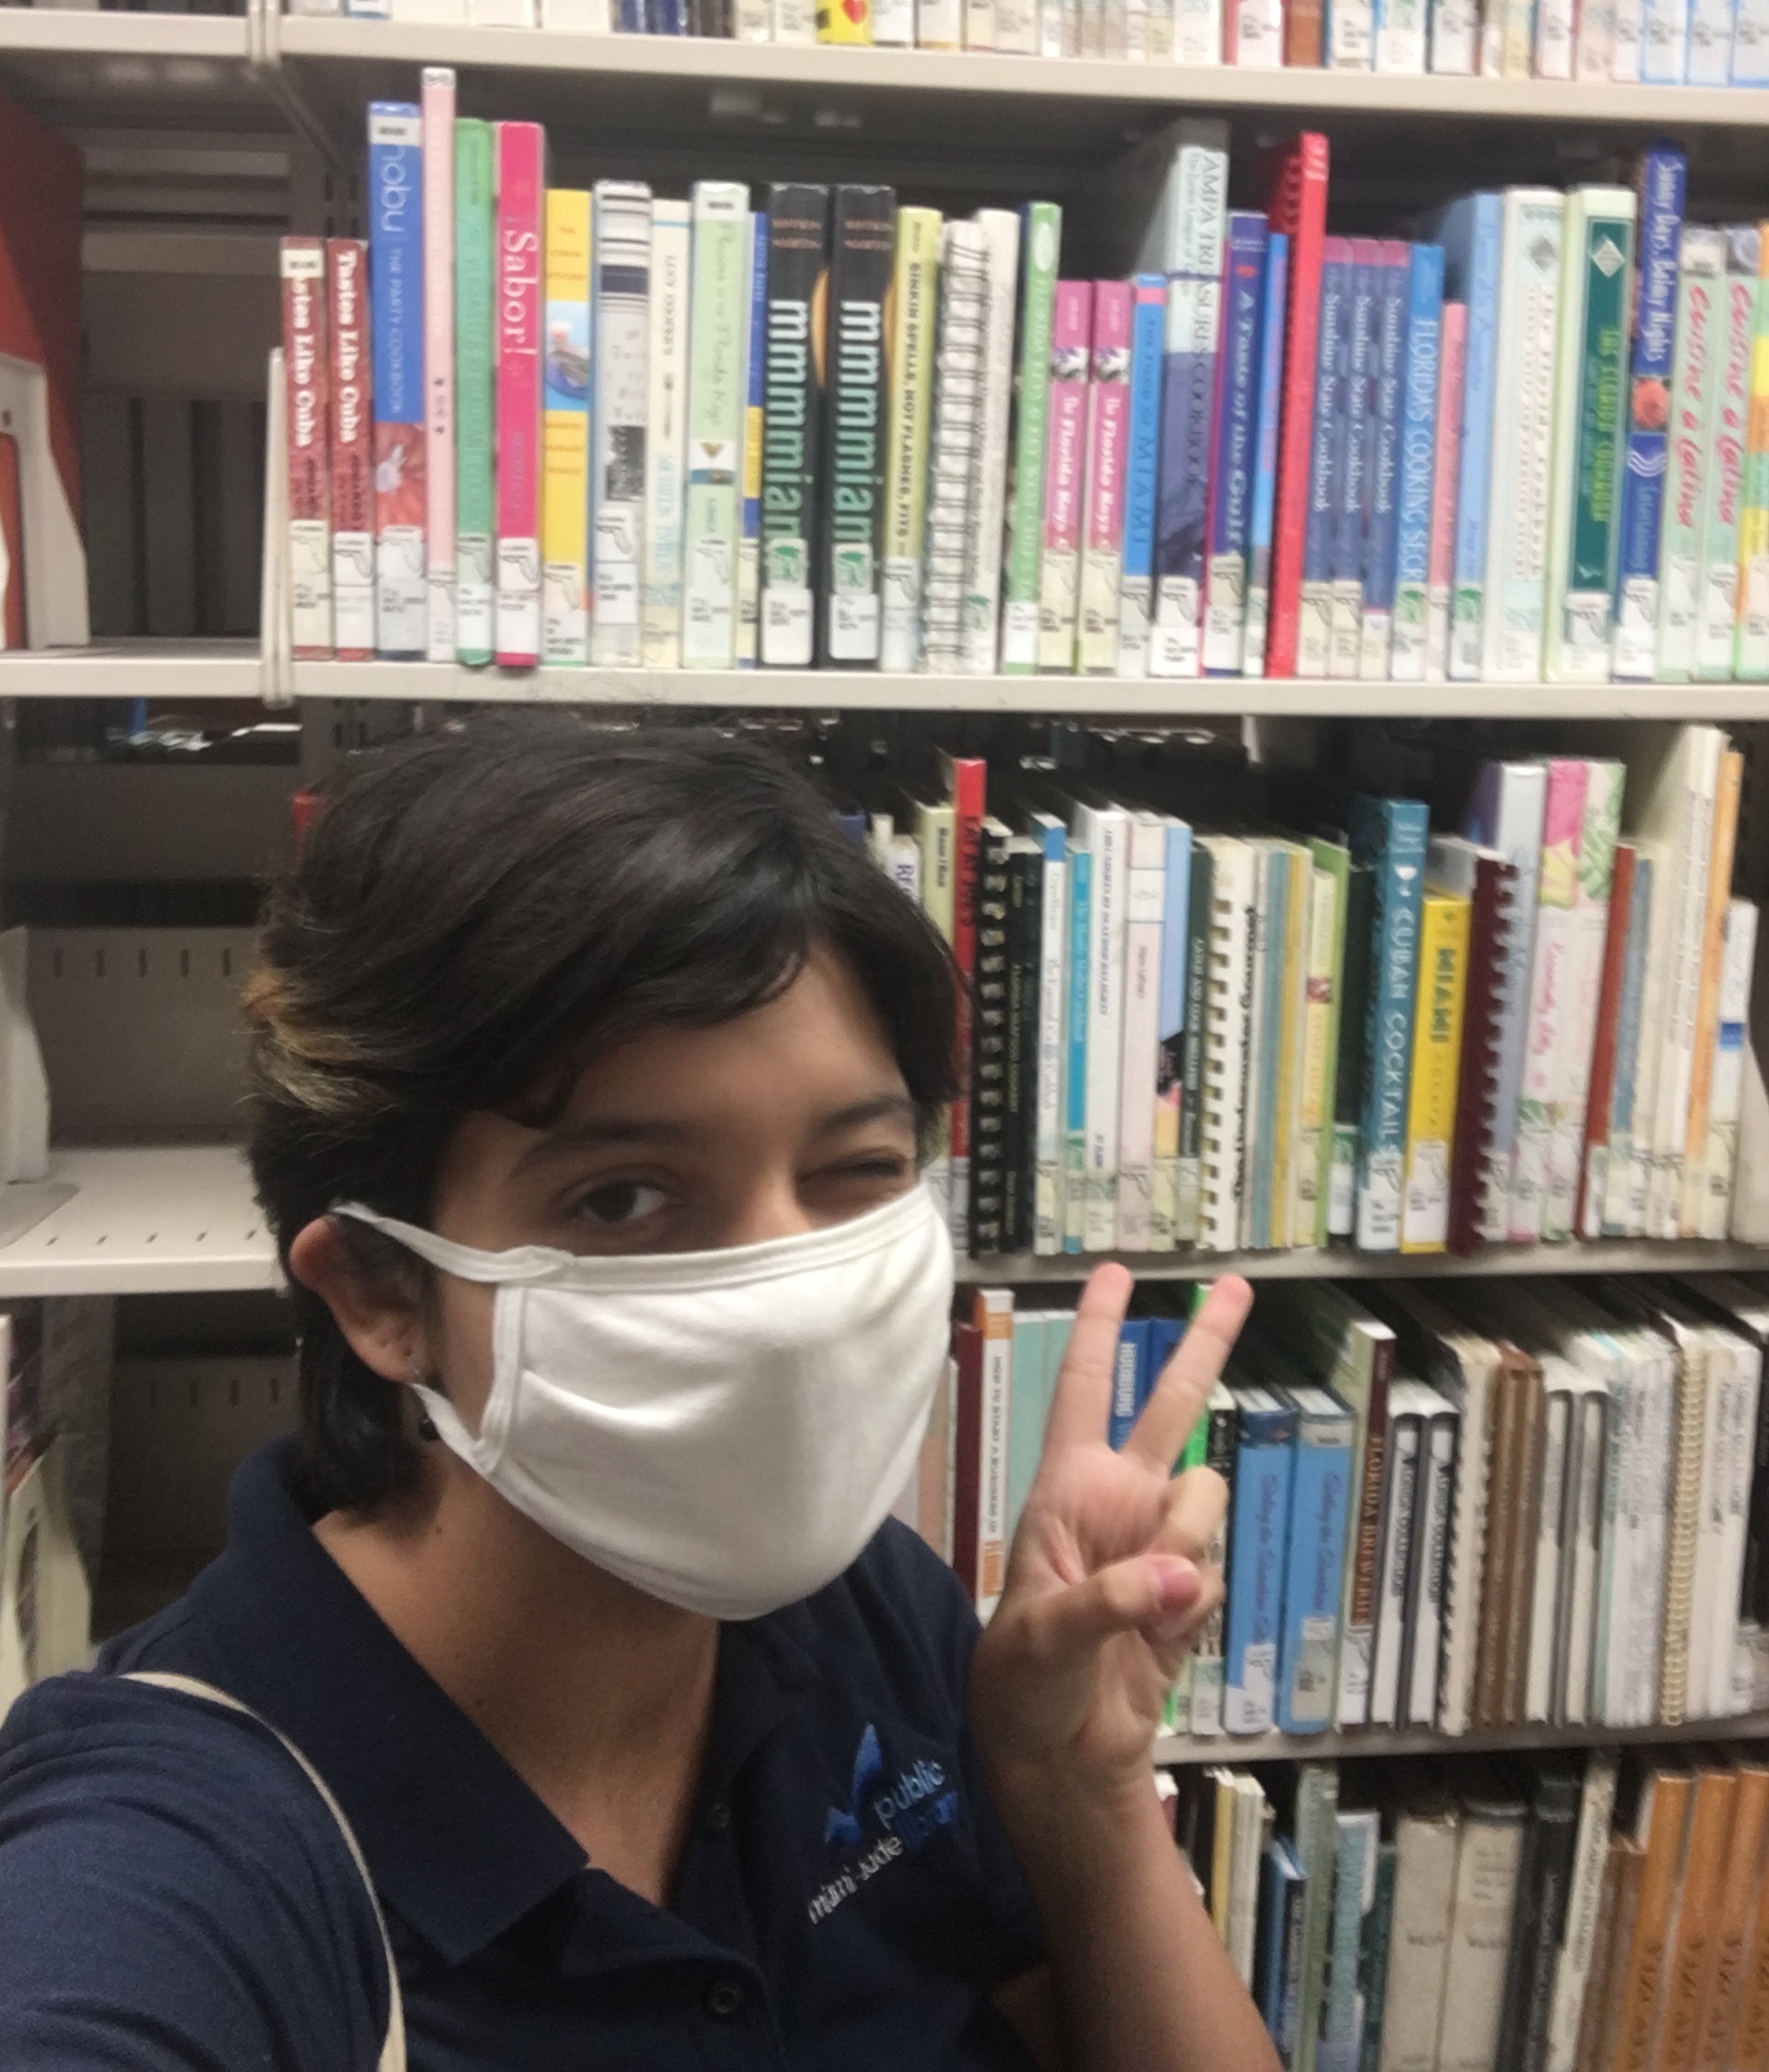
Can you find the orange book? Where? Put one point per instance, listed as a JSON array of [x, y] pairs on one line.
[[1741, 1881], [1751, 2038], [1688, 1960], [1662, 1829], [1600, 2023], [1707, 1003]]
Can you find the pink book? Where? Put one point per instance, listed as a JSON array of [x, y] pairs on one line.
[[1064, 469], [1108, 443], [438, 105], [521, 198], [1452, 366], [1545, 1033], [347, 272], [306, 379]]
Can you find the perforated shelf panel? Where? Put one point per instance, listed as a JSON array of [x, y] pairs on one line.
[[147, 1219]]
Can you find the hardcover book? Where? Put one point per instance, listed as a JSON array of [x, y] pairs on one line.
[[666, 447], [717, 403], [1021, 582], [1659, 185], [1471, 232], [521, 189], [439, 118], [622, 331], [958, 376], [306, 369], [475, 389], [909, 361], [1297, 207], [396, 272], [1064, 476], [352, 454], [791, 452], [1103, 509], [1137, 587], [566, 383]]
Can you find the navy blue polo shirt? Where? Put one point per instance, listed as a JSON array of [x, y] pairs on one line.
[[174, 1894]]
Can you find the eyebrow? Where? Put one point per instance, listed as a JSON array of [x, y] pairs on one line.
[[592, 1134]]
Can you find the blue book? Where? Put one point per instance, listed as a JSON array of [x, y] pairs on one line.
[[1663, 175], [1469, 230], [1314, 1573], [1390, 836], [631, 19], [1170, 1027], [1418, 462], [1612, 1202], [1232, 451], [1258, 1537], [1164, 1336], [1351, 495], [1273, 306], [1315, 640], [1188, 390], [1148, 354], [1074, 1117], [1129, 1382], [1282, 1890], [749, 582], [397, 330], [1381, 531], [1357, 1836]]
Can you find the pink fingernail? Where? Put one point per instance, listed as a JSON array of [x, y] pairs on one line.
[[1176, 1584]]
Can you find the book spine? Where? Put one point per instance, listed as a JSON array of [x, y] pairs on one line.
[[967, 778], [793, 424], [986, 1191], [1164, 1200], [1074, 1126], [475, 389], [996, 1314], [1551, 980], [352, 453], [521, 188], [1400, 35], [1053, 928], [621, 334], [1356, 967], [1431, 1572], [1421, 438], [307, 370], [1105, 1029], [1351, 26], [1599, 827], [1468, 600], [939, 25], [987, 495], [1352, 476], [853, 512], [1265, 430], [1145, 908], [1232, 456], [1137, 587], [1392, 379], [1719, 891], [845, 21], [1620, 1156], [1701, 276], [1299, 212], [1314, 650], [1196, 980], [1196, 33], [1193, 332], [1319, 1009], [666, 432], [1601, 1100], [716, 400], [1220, 1449], [1263, 1471], [1731, 1032], [1024, 1059], [914, 300], [1716, 626], [952, 464], [1584, 510], [564, 484], [1064, 471], [396, 274], [1629, 25], [1108, 444], [1437, 1053], [439, 118], [1228, 1007], [749, 507], [1382, 1139], [1400, 1508], [1750, 658], [1456, 30], [1315, 1575], [1594, 42], [1662, 178], [1042, 240], [1710, 42], [1476, 1086]]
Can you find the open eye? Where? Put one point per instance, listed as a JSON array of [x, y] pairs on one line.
[[621, 1201]]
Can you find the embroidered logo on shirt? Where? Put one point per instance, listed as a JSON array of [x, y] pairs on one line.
[[842, 1823], [906, 1813]]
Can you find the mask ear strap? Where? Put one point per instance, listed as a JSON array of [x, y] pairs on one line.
[[523, 1262]]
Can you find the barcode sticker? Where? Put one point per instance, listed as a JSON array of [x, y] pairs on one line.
[[1311, 1686], [1247, 1705], [785, 626], [1354, 1676]]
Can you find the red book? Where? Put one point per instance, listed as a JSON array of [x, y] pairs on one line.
[[966, 1452], [1603, 1049], [1298, 189], [347, 273], [966, 779], [1491, 895], [305, 373]]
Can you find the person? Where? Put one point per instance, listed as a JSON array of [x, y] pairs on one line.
[[594, 1079]]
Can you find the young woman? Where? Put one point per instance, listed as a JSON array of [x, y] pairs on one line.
[[593, 1077]]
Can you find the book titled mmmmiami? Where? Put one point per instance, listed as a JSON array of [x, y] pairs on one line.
[[798, 260], [853, 512]]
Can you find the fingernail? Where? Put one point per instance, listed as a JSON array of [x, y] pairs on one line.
[[1177, 1585]]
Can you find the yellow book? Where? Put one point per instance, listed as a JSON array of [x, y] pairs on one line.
[[915, 282], [1311, 1085], [564, 480], [844, 21], [1437, 1058], [1290, 1032], [1707, 1001]]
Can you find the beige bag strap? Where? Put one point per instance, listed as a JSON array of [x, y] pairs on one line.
[[393, 2052]]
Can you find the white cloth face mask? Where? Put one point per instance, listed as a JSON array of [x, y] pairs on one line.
[[724, 1430]]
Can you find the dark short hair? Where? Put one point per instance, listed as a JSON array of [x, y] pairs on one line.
[[474, 915]]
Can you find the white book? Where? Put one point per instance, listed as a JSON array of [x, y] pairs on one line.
[[952, 452], [1197, 33], [1572, 1966], [1456, 36], [1630, 27], [1104, 832], [989, 489], [795, 21], [1145, 909], [1255, 1126], [1226, 1004], [1554, 39], [666, 432], [1427, 1844], [1053, 923], [620, 330], [1522, 435], [1400, 38], [1394, 1575], [1016, 27], [1434, 1509], [718, 413], [1589, 938], [1582, 1546], [1594, 51], [580, 17], [1351, 29], [1558, 1377], [500, 14], [1251, 1814], [434, 12], [1486, 1866], [1732, 1036]]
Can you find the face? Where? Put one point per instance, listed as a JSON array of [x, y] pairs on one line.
[[785, 1120]]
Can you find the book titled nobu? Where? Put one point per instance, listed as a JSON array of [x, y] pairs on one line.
[[862, 245]]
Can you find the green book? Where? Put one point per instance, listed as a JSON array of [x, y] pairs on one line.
[[1317, 1808], [1335, 859], [1042, 249], [1585, 483], [475, 367], [1372, 1964], [718, 334]]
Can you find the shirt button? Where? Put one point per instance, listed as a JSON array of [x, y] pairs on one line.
[[719, 1816], [726, 1999]]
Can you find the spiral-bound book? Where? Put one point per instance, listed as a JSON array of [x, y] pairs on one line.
[[1227, 999]]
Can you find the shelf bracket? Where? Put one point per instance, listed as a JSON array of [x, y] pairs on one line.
[[264, 61]]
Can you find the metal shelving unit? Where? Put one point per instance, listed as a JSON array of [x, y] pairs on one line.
[[155, 669], [1183, 1750], [1617, 1256]]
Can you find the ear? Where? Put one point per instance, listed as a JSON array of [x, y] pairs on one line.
[[379, 1318]]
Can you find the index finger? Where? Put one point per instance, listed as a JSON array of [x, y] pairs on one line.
[[1177, 1400], [1082, 1399]]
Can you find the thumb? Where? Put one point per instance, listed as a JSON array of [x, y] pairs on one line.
[[1153, 1592]]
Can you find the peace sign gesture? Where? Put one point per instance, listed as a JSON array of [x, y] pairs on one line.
[[1105, 1584]]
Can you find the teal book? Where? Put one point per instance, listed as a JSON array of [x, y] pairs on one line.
[[1390, 835], [1354, 1890], [1378, 1939], [1040, 246], [1029, 1404], [1074, 1121], [475, 483]]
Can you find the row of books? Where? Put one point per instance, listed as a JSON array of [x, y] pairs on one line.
[[1376, 1035], [539, 425], [1552, 1914], [1703, 42], [1488, 1507]]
